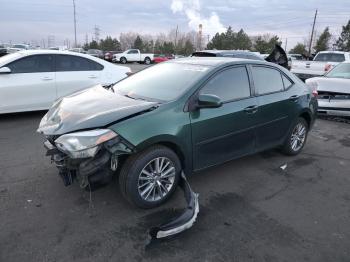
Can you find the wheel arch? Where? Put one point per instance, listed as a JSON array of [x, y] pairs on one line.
[[172, 143], [307, 116]]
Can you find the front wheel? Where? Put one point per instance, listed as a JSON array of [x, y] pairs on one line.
[[296, 138], [123, 60], [149, 178]]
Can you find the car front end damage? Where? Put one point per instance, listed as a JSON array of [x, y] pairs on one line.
[[88, 157]]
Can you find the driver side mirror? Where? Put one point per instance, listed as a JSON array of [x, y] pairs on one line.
[[208, 101], [5, 70]]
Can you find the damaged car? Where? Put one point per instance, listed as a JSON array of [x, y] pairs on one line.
[[333, 91], [176, 117]]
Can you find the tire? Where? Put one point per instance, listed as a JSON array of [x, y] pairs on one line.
[[291, 146], [133, 182], [123, 60], [147, 61]]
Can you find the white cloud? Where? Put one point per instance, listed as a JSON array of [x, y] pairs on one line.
[[192, 10], [176, 6]]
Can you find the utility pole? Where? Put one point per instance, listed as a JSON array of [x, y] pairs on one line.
[[177, 28], [97, 33], [312, 33], [75, 26], [285, 45]]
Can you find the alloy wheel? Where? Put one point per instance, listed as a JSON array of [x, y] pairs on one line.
[[156, 179], [298, 137]]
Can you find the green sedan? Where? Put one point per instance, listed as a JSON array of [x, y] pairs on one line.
[[179, 116]]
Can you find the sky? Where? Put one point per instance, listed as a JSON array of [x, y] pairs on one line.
[[34, 20]]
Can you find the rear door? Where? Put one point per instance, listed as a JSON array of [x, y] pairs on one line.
[[277, 103], [29, 86], [74, 73], [224, 133]]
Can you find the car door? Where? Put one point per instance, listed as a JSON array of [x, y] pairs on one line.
[[227, 132], [74, 73], [30, 85], [133, 56], [277, 105]]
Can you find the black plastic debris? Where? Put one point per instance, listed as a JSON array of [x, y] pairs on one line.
[[183, 221]]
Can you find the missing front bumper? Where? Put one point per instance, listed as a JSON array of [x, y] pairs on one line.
[[183, 221]]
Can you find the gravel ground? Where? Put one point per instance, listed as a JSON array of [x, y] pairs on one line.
[[250, 209]]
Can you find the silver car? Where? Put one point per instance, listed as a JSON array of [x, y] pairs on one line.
[[333, 91]]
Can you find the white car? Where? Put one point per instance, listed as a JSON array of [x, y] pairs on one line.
[[33, 79], [321, 64], [333, 91], [133, 55]]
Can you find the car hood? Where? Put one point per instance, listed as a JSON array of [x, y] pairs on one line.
[[91, 108], [338, 85]]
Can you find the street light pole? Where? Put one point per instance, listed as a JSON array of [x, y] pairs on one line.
[[75, 26]]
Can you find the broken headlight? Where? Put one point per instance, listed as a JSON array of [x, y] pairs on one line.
[[84, 144]]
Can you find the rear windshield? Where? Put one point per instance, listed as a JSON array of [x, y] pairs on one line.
[[329, 57], [161, 83]]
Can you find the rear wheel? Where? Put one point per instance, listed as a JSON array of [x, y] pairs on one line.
[[296, 138], [149, 178], [148, 61], [123, 60]]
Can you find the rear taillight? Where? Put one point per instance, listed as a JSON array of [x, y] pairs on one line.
[[327, 67], [315, 93]]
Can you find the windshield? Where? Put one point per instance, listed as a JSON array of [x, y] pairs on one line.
[[163, 82], [340, 71], [330, 57]]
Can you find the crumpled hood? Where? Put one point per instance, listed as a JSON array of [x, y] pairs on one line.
[[338, 85], [90, 108]]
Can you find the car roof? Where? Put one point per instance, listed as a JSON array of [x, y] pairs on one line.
[[216, 61], [24, 53]]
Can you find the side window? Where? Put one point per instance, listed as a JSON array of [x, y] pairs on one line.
[[230, 84], [33, 64], [66, 63], [267, 80], [287, 83], [132, 52]]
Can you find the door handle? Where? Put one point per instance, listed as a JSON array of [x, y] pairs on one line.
[[47, 78], [92, 76], [251, 109], [294, 98]]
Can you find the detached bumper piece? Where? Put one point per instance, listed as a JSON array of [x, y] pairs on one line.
[[185, 220]]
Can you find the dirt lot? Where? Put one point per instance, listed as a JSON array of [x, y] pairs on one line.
[[251, 209]]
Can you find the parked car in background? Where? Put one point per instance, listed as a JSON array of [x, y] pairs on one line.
[[78, 50], [96, 53], [333, 90], [321, 64], [277, 56], [211, 110], [228, 53], [109, 55], [60, 47], [4, 49], [133, 55], [162, 58], [296, 56], [32, 79], [18, 47]]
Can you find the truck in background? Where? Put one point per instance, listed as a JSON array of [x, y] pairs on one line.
[[321, 64], [133, 55]]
